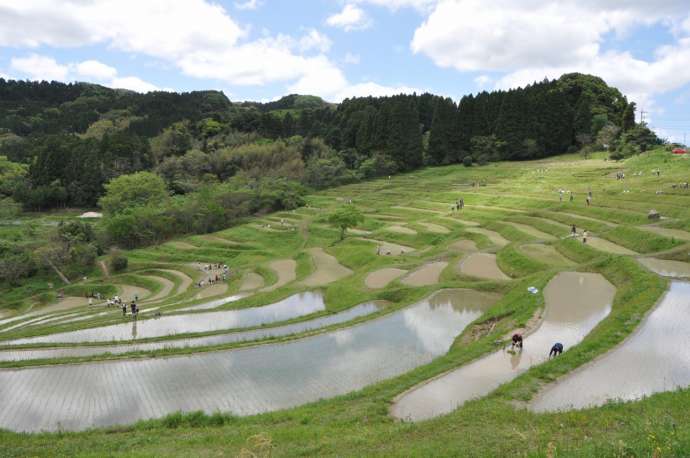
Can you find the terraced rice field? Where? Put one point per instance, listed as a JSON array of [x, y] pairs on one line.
[[408, 318]]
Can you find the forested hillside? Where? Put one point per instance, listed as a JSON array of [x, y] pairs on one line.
[[74, 138]]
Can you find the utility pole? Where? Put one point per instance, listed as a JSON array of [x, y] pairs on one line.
[[642, 113]]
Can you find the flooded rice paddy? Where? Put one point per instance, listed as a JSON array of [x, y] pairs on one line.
[[482, 265], [575, 304], [241, 382], [292, 307], [667, 268], [655, 358], [220, 339]]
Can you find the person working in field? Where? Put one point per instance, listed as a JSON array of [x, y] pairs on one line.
[[517, 341], [585, 234], [556, 350], [573, 231]]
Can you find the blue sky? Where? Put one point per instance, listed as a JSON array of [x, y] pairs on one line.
[[263, 49]]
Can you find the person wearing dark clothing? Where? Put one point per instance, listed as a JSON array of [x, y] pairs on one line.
[[573, 231], [556, 350], [124, 310], [517, 341]]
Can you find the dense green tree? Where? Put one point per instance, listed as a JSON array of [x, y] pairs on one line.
[[345, 218], [442, 141], [137, 190], [628, 117]]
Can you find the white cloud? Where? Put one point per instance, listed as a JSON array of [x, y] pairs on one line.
[[38, 67], [533, 39], [133, 84], [96, 70], [248, 5], [350, 18], [315, 40], [352, 59], [421, 5], [372, 89], [482, 81]]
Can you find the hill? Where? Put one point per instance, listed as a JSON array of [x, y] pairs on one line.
[[74, 138]]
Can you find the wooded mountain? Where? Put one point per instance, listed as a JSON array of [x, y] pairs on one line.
[[74, 138]]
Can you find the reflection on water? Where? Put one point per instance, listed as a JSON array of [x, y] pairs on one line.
[[293, 307], [240, 336], [242, 382], [656, 358], [667, 268], [575, 303]]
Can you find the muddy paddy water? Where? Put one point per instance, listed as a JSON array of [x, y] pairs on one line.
[[292, 307], [575, 304], [381, 278], [667, 268], [482, 265], [655, 358], [241, 382], [426, 275]]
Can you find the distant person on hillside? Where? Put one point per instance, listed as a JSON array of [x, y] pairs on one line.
[[589, 200], [124, 309], [462, 203], [585, 234], [560, 195], [573, 231], [556, 350], [517, 341], [572, 196]]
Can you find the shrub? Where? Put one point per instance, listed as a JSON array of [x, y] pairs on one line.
[[467, 161], [118, 262]]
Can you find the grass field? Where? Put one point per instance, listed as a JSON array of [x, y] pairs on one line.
[[516, 207]]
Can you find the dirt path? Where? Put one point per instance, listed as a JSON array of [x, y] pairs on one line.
[[328, 269], [104, 268], [286, 271]]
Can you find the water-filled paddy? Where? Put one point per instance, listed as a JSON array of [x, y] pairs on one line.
[[667, 268], [221, 339], [292, 307], [575, 304], [242, 382], [482, 265], [655, 358]]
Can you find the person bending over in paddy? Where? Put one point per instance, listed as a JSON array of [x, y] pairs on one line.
[[556, 350], [517, 341]]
